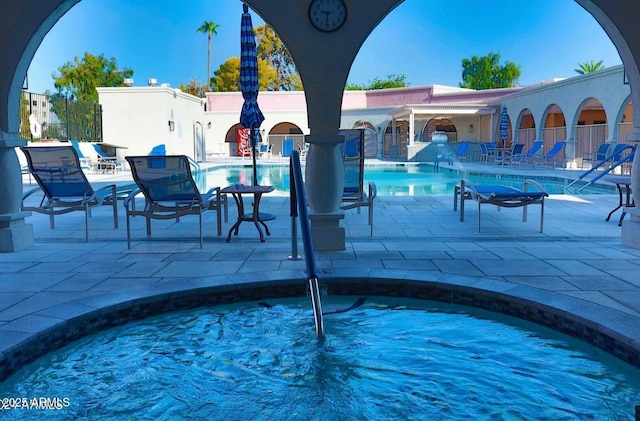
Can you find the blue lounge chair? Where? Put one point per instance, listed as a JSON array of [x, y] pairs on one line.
[[287, 147], [592, 159], [487, 151], [501, 196], [64, 186], [354, 196], [158, 150], [86, 163], [552, 155], [105, 161], [530, 155], [460, 154], [169, 191], [264, 150], [507, 156]]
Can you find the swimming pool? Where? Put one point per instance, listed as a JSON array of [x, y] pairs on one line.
[[387, 358], [392, 180]]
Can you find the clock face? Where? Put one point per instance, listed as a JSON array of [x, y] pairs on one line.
[[327, 15]]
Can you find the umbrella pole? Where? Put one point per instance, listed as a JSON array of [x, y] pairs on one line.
[[252, 136]]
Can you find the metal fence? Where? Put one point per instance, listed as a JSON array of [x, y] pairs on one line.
[[59, 119]]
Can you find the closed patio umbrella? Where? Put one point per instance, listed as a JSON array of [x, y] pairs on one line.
[[504, 125], [250, 117]]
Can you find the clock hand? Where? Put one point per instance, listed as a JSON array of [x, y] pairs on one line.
[[326, 16]]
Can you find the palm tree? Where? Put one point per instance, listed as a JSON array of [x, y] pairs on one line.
[[211, 29], [591, 67]]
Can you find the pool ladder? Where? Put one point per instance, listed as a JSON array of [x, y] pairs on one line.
[[299, 206]]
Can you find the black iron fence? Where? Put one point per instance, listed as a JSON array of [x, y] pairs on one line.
[[54, 118]]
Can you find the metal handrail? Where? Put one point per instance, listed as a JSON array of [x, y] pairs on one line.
[[194, 165], [299, 205], [618, 162]]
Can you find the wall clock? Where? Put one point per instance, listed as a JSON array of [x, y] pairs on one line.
[[327, 15]]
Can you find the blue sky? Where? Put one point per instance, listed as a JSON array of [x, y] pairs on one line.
[[425, 40]]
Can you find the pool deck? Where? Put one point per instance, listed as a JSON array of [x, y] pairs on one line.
[[578, 266]]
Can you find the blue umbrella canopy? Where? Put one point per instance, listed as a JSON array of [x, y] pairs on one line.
[[250, 117], [504, 125]]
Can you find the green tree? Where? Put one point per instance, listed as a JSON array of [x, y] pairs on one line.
[[75, 100], [592, 66], [227, 77], [211, 29], [80, 78], [194, 88], [271, 49], [392, 81], [486, 72]]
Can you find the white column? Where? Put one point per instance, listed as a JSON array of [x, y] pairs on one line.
[[412, 128], [14, 233], [393, 150], [631, 226], [324, 175]]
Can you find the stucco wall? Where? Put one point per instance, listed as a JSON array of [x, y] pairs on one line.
[[138, 119]]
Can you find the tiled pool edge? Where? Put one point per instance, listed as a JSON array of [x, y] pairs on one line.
[[607, 329]]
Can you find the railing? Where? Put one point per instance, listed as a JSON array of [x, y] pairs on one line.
[[195, 167], [615, 160], [551, 135], [57, 118], [299, 205], [527, 136], [588, 139]]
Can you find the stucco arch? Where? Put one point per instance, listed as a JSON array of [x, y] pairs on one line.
[[623, 120], [525, 127], [589, 127], [362, 124]]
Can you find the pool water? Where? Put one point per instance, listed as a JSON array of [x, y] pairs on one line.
[[386, 359], [396, 180]]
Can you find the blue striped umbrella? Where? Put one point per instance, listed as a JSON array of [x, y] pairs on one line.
[[250, 117], [504, 126]]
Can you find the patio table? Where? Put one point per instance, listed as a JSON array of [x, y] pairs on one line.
[[258, 218], [628, 201]]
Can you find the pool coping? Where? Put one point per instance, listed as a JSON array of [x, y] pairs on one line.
[[34, 335]]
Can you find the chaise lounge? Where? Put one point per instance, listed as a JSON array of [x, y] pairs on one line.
[[63, 185], [170, 192], [500, 196]]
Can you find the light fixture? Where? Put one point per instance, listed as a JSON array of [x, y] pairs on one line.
[[208, 125], [470, 128], [171, 125]]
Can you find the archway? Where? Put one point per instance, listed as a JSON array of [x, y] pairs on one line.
[[370, 138], [231, 139], [441, 127], [401, 136], [554, 128], [526, 132], [591, 128], [282, 131]]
